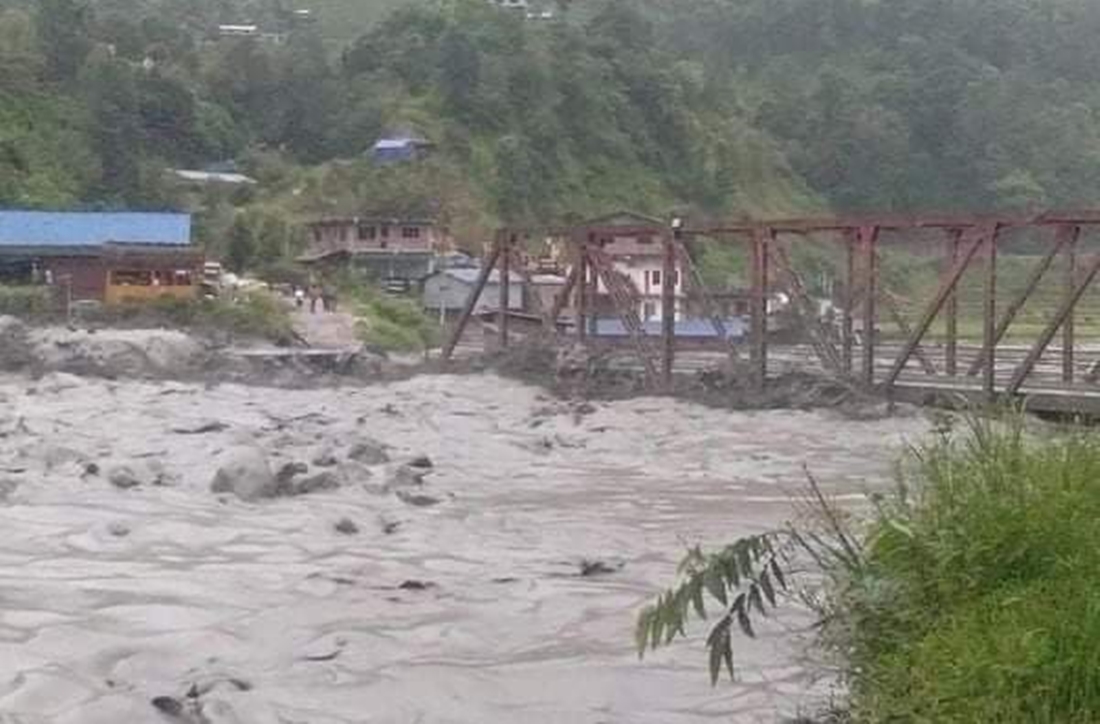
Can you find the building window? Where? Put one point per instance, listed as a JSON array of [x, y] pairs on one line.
[[317, 234], [385, 232], [344, 233], [366, 232], [675, 277], [655, 277], [383, 244], [410, 232], [131, 278], [649, 310]]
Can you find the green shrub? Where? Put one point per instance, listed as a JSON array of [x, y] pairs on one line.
[[251, 314], [27, 301], [393, 324], [972, 594], [987, 578], [255, 314]]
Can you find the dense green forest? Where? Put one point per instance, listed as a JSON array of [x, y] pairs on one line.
[[709, 106]]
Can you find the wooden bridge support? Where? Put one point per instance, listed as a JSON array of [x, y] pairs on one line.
[[669, 243], [758, 315], [851, 280]]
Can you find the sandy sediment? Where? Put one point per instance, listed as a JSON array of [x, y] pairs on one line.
[[567, 371], [397, 589], [170, 354]]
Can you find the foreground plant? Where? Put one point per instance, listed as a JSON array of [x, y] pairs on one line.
[[969, 594], [745, 579]]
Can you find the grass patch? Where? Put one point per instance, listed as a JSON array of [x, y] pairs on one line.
[[251, 315], [972, 594], [393, 324], [986, 575], [27, 302]]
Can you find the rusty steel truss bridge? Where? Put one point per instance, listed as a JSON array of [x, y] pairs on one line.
[[967, 336]]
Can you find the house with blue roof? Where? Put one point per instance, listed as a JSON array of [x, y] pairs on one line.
[[106, 256], [399, 149]]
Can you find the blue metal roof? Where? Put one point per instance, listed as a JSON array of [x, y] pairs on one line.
[[80, 228], [736, 328]]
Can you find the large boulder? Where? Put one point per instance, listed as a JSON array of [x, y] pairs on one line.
[[245, 472], [406, 476], [325, 458], [15, 347], [123, 477], [324, 480], [369, 452]]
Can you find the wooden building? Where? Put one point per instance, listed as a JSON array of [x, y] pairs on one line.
[[379, 249], [107, 257]]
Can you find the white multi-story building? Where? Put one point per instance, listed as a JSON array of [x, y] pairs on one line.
[[637, 255]]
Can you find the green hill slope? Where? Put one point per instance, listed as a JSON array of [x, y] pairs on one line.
[[342, 21]]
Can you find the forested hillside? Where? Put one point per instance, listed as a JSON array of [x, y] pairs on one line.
[[714, 106]]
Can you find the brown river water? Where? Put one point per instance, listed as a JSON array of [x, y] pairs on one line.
[[110, 597]]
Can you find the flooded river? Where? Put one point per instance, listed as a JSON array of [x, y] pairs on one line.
[[112, 596]]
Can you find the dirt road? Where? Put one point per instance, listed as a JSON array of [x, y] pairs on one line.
[[326, 330]]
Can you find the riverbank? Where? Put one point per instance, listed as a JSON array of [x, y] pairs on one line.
[[979, 597], [967, 593], [567, 372]]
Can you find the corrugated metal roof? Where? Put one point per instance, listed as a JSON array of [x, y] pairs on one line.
[[470, 275], [394, 144], [736, 328], [223, 177], [77, 228]]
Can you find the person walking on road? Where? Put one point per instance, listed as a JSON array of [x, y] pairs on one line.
[[328, 298], [314, 295]]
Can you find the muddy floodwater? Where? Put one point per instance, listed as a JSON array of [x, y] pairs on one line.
[[458, 603]]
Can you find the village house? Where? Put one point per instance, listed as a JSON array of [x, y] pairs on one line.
[[447, 291], [107, 257], [637, 255], [251, 30], [206, 178], [404, 251], [399, 149], [239, 30]]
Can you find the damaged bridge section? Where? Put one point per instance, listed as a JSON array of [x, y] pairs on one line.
[[918, 308]]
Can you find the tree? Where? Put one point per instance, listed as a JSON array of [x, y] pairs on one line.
[[308, 97], [116, 127], [166, 108], [460, 70], [20, 60], [62, 27], [240, 251]]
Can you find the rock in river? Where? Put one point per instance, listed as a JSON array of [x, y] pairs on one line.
[[244, 471], [123, 477], [369, 452], [324, 480]]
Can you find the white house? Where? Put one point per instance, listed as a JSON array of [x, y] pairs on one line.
[[238, 31], [638, 254]]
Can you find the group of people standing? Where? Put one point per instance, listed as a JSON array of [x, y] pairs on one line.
[[323, 293]]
